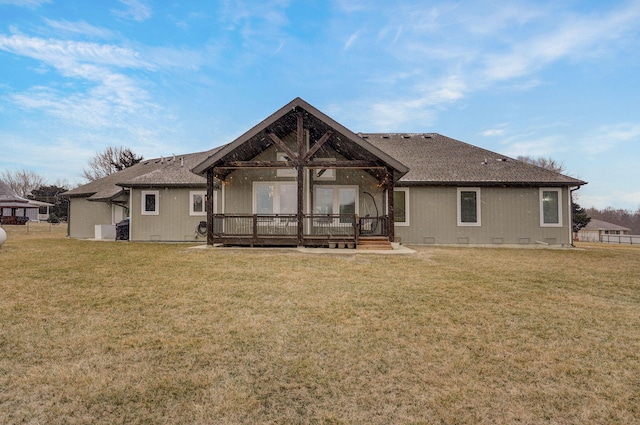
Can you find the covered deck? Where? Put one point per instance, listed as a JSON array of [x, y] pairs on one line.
[[298, 178]]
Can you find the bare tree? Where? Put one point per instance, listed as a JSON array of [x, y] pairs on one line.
[[548, 163], [109, 161], [22, 182]]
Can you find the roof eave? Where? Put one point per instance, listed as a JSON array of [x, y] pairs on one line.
[[490, 183]]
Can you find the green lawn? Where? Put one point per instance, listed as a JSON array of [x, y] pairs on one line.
[[106, 332]]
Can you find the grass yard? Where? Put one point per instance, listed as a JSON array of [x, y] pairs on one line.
[[108, 333]]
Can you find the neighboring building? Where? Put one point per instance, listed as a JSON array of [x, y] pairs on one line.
[[595, 229], [301, 178], [15, 209]]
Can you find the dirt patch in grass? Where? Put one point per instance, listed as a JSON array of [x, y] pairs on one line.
[[95, 332]]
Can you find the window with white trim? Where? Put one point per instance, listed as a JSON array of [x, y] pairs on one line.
[[469, 206], [550, 207], [197, 202], [150, 202], [401, 206]]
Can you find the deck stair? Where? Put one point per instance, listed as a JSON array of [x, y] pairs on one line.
[[374, 242]]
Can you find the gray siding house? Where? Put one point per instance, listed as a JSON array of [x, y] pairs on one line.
[[300, 178], [162, 199]]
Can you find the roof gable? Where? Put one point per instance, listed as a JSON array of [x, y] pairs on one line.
[[283, 122]]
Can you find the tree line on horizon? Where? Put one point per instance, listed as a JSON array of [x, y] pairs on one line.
[[30, 185], [619, 216]]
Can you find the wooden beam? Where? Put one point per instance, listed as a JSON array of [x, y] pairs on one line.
[[343, 164], [282, 145], [317, 146], [257, 164], [300, 135], [291, 164]]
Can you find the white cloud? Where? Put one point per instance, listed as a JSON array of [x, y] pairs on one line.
[[605, 138], [351, 6], [135, 10], [25, 3], [376, 113], [65, 55], [80, 27], [353, 37], [545, 146], [238, 13], [437, 56], [113, 99], [577, 37], [449, 89], [492, 132]]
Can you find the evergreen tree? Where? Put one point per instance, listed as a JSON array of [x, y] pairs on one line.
[[579, 217], [51, 194]]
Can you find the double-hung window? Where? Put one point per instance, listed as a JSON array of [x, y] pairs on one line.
[[197, 204], [150, 202], [550, 207], [469, 211]]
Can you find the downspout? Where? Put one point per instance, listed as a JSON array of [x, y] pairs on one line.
[[571, 214]]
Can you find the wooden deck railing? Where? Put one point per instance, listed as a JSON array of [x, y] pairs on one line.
[[282, 229]]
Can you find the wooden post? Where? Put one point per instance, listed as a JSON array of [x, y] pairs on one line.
[[209, 205], [300, 168], [392, 231], [254, 230], [356, 230]]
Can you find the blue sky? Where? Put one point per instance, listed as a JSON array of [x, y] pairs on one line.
[[558, 79]]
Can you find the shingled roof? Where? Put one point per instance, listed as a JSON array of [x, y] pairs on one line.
[[171, 171], [595, 224], [8, 195], [9, 199], [434, 159]]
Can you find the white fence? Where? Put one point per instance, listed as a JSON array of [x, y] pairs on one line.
[[621, 239]]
